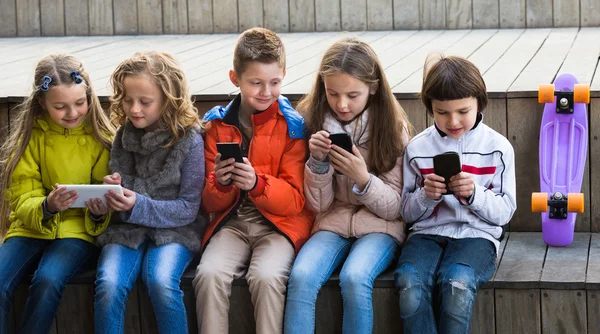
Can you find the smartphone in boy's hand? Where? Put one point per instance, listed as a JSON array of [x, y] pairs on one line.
[[447, 165], [342, 140], [230, 150]]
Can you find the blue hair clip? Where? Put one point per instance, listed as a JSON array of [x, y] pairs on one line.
[[76, 76], [46, 81]]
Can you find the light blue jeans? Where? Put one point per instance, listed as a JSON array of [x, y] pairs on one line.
[[365, 258], [56, 262], [161, 268], [438, 279]]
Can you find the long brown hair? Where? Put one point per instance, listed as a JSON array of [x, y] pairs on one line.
[[59, 68], [178, 113], [387, 120]]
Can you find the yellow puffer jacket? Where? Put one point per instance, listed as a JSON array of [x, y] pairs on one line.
[[56, 155]]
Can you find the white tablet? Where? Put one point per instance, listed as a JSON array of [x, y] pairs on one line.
[[89, 191]]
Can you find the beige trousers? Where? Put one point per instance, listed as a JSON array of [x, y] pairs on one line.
[[240, 248]]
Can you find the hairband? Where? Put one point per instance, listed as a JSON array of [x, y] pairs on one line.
[[76, 76], [46, 81]]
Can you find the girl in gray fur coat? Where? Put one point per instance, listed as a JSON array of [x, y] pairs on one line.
[[158, 158]]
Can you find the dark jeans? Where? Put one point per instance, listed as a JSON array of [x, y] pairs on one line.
[[438, 279], [58, 260]]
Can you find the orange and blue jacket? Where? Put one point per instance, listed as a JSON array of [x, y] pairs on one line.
[[277, 152]]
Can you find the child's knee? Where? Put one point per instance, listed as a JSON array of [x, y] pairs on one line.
[[458, 289], [209, 273], [409, 284]]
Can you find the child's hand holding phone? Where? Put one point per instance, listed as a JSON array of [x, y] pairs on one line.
[[319, 145], [462, 185]]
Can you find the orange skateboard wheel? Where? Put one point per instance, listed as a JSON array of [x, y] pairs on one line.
[[546, 93], [575, 202], [581, 93], [539, 202]]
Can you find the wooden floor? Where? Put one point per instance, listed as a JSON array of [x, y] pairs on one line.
[[514, 61]]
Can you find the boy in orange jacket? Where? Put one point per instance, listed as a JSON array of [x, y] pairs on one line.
[[260, 220]]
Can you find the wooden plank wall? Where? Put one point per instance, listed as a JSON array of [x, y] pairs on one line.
[[108, 17]]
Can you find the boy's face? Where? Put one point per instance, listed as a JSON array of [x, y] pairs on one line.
[[455, 117], [347, 96], [66, 104], [260, 85], [142, 102]]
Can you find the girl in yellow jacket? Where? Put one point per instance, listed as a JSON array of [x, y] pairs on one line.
[[60, 136]]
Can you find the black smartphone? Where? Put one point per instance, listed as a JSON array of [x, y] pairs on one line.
[[230, 150], [342, 140], [447, 165]]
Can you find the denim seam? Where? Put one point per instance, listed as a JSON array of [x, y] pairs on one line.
[[23, 265], [122, 311], [347, 244]]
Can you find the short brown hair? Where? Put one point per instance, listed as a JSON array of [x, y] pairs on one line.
[[258, 44], [451, 78]]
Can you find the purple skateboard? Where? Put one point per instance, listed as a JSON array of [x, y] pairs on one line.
[[563, 150]]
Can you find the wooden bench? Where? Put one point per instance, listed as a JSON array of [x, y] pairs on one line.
[[536, 289]]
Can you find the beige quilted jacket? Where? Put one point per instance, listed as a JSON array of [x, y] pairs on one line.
[[342, 211]]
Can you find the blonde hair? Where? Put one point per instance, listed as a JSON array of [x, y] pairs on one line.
[[451, 78], [258, 44], [387, 120], [178, 113], [59, 68]]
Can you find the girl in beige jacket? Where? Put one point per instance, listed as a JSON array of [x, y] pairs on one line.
[[356, 194]]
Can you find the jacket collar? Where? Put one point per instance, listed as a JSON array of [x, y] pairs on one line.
[[229, 115], [47, 124]]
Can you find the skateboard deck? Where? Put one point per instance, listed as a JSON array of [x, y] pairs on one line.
[[562, 155]]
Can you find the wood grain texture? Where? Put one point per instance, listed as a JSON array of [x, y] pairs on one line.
[[518, 311], [512, 13], [302, 15], [406, 14], [486, 14], [125, 17], [276, 15], [354, 14], [77, 20], [459, 14], [327, 15], [566, 13], [28, 18], [564, 311], [225, 16], [101, 17], [175, 16], [539, 13], [52, 16], [200, 16], [380, 15], [483, 320], [252, 14], [8, 18], [150, 17]]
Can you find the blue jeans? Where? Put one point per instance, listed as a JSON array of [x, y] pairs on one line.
[[56, 260], [438, 279], [161, 268], [367, 257]]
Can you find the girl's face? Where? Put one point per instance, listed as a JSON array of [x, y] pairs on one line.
[[455, 117], [143, 101], [347, 96], [66, 104]]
